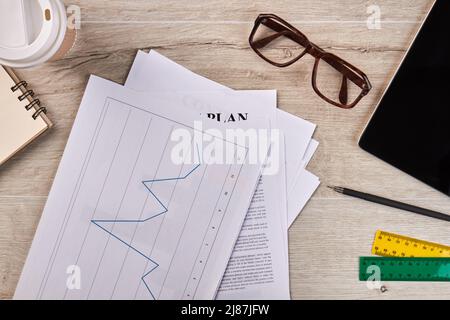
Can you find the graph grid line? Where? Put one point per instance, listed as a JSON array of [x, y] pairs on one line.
[[99, 223]]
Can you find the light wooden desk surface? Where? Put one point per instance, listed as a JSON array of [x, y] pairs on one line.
[[210, 38]]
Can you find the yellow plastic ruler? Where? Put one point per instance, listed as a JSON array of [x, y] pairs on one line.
[[393, 245]]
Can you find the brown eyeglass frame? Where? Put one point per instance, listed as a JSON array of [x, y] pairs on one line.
[[348, 71]]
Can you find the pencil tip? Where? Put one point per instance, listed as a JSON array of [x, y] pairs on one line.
[[337, 189]]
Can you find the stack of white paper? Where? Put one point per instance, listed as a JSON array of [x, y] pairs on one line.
[[255, 271], [124, 221]]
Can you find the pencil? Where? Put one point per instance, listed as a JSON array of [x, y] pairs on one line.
[[391, 203]]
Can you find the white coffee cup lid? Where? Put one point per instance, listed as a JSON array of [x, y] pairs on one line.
[[31, 31]]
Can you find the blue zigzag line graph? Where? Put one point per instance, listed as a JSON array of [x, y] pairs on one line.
[[164, 210]]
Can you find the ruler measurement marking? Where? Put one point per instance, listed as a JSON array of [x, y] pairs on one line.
[[407, 269], [393, 245]]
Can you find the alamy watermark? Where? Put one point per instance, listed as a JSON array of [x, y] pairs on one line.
[[73, 17], [373, 281], [374, 19], [73, 281], [231, 146]]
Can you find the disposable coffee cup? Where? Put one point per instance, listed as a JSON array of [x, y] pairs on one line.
[[33, 32]]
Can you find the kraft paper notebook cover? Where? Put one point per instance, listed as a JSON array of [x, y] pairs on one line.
[[22, 118]]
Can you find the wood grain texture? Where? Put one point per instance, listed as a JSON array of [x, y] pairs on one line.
[[210, 38]]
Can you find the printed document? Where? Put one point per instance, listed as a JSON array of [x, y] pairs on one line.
[[125, 219], [259, 265]]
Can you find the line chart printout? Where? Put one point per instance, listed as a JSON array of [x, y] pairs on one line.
[[258, 267], [125, 221]]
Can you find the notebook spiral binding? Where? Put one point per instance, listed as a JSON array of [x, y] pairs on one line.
[[29, 94]]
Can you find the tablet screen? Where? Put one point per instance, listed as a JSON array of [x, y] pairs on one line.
[[410, 129]]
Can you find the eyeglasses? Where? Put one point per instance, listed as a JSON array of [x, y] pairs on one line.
[[334, 79]]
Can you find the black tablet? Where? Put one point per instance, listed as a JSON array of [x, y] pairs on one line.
[[410, 128]]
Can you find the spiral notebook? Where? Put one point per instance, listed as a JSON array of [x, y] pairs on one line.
[[22, 118]]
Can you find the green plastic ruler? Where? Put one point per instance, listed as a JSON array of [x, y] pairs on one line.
[[404, 269]]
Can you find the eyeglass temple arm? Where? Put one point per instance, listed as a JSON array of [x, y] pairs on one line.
[[286, 31], [312, 49], [347, 72], [261, 43]]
